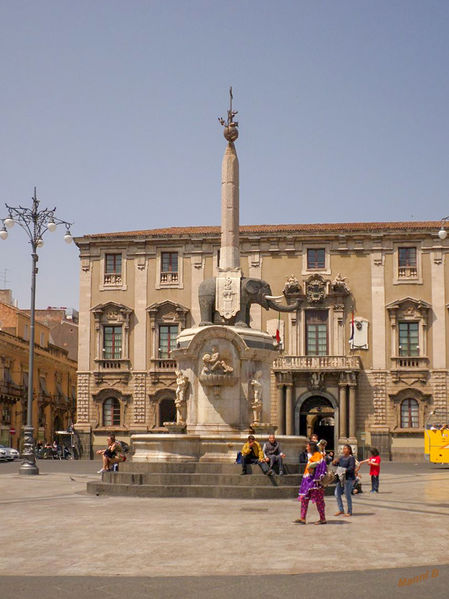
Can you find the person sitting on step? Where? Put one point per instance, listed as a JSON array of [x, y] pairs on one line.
[[273, 454], [252, 454]]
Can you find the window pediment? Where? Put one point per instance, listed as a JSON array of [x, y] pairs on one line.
[[112, 312], [409, 308]]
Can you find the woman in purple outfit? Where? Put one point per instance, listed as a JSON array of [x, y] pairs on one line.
[[311, 487]]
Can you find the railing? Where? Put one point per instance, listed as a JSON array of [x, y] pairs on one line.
[[112, 279], [410, 362], [407, 272], [163, 364], [118, 364], [317, 363], [169, 277], [12, 389]]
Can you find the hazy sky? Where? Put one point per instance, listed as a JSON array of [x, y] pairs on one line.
[[110, 108]]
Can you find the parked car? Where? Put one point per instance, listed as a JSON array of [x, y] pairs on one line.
[[8, 454]]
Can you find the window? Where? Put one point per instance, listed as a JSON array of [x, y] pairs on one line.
[[113, 269], [408, 338], [26, 332], [409, 413], [111, 412], [316, 258], [112, 343], [167, 411], [316, 333], [6, 415], [42, 340], [167, 339], [407, 264], [169, 267]]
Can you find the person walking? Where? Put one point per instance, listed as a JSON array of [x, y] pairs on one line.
[[346, 473], [311, 488], [374, 469]]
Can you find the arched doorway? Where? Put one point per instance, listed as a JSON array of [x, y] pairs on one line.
[[167, 411], [317, 415]]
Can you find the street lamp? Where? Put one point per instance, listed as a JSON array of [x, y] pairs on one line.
[[442, 233], [35, 223]]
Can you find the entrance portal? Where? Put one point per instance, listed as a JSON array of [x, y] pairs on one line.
[[317, 416]]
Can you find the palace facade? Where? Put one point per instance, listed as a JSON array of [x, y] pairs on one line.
[[54, 377], [364, 359]]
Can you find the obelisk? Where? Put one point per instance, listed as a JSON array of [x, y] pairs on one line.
[[227, 302]]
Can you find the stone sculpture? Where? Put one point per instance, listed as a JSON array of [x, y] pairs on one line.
[[182, 382], [214, 363]]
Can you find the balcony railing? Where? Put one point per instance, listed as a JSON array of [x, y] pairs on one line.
[[162, 364], [12, 390], [409, 362], [407, 272], [113, 364], [317, 363], [112, 279], [168, 278]]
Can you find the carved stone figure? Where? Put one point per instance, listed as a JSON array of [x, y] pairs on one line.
[[292, 287], [214, 363], [339, 284], [316, 381], [252, 291], [182, 382]]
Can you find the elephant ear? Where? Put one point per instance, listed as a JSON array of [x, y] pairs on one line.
[[253, 287]]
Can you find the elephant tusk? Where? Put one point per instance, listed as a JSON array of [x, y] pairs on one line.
[[274, 297]]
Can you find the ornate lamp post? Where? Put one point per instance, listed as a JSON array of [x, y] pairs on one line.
[[442, 233], [35, 223]]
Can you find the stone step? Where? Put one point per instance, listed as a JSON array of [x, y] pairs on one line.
[[200, 491], [236, 479], [196, 467]]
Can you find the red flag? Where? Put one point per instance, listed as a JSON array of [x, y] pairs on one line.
[[278, 332]]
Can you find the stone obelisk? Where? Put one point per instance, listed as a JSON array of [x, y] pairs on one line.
[[229, 273]]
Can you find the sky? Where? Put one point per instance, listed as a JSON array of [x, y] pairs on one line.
[[109, 108]]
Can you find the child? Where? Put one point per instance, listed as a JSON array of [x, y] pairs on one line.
[[374, 469]]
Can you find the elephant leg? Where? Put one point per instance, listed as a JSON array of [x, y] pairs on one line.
[[207, 304], [240, 319]]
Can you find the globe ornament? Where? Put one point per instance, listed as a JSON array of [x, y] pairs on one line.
[[231, 132]]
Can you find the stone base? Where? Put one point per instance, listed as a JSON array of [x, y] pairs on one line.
[[263, 428], [203, 448], [175, 427]]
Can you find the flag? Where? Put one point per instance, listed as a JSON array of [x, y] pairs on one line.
[[278, 329], [351, 338]]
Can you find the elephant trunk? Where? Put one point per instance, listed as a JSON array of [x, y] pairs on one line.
[[279, 307]]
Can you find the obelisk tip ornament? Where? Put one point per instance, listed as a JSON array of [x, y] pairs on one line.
[[230, 130]]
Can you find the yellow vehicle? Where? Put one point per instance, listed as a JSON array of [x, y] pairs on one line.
[[436, 437]]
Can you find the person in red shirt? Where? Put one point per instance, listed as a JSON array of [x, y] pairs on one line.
[[374, 469]]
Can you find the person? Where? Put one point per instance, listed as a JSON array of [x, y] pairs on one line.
[[252, 454], [111, 455], [357, 487], [374, 469], [346, 472], [273, 454], [311, 488], [328, 456]]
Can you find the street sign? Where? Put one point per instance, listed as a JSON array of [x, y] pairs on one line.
[[12, 431]]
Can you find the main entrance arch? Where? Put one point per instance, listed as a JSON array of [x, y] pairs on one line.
[[317, 413]]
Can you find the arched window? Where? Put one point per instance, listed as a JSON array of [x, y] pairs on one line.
[[111, 412], [409, 413], [167, 411]]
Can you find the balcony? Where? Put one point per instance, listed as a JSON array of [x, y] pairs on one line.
[[112, 368], [169, 278], [11, 391], [406, 368], [407, 272], [162, 368], [317, 363], [112, 280]]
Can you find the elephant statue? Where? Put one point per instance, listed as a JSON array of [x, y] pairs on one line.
[[252, 291]]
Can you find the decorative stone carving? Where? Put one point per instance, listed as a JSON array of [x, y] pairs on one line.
[[256, 403], [317, 381], [339, 285], [182, 383], [228, 294], [214, 363], [315, 289], [292, 287]]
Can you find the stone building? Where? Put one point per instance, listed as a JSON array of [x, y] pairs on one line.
[[364, 358], [54, 378]]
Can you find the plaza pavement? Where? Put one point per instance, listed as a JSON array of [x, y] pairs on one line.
[[57, 541]]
